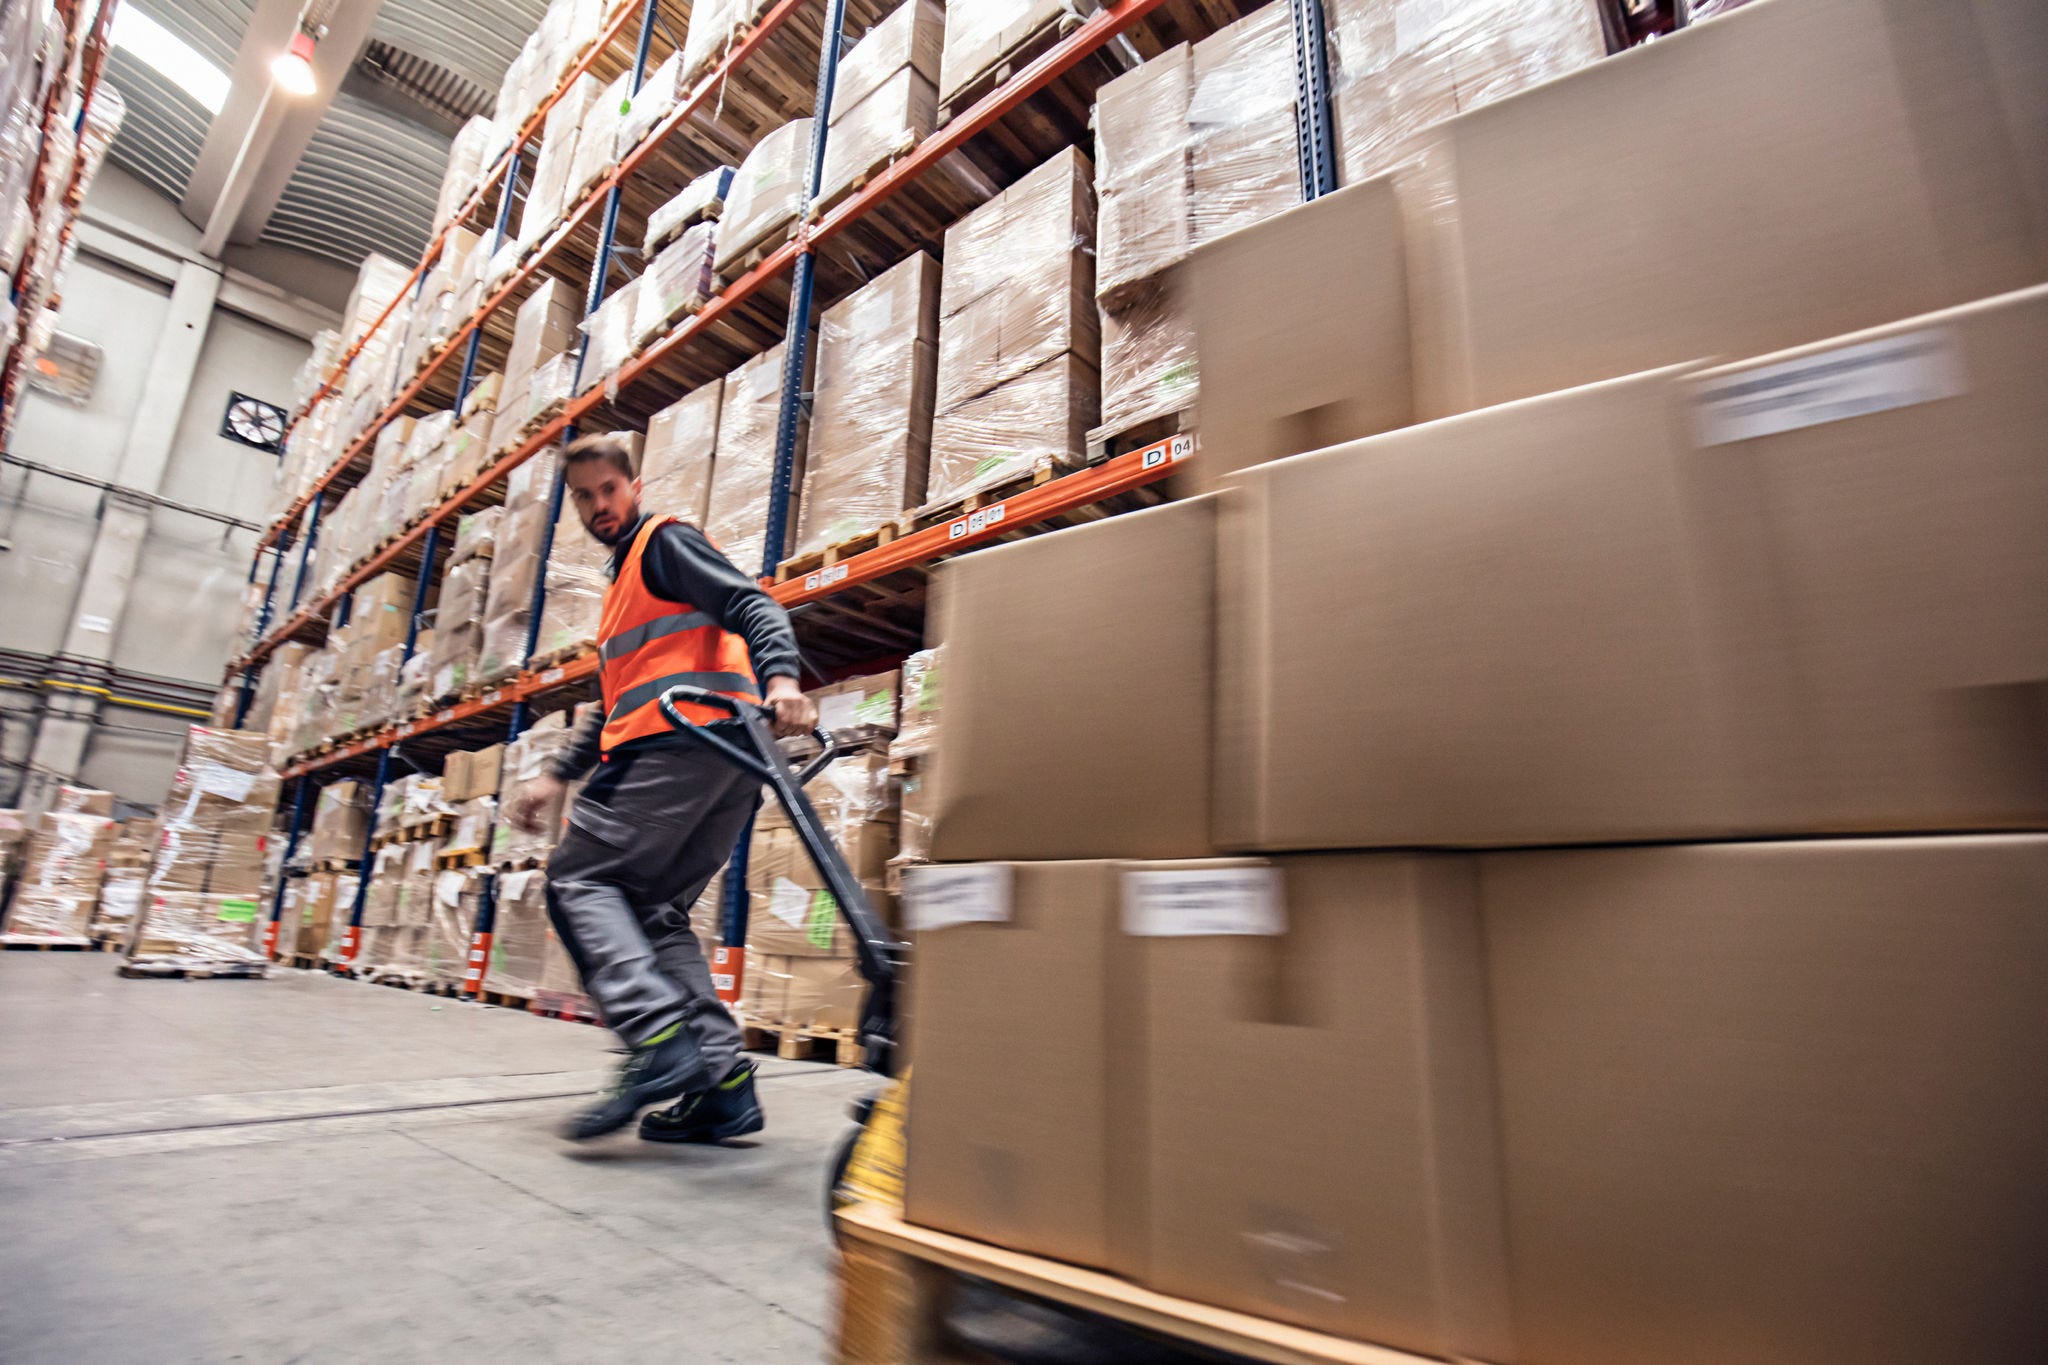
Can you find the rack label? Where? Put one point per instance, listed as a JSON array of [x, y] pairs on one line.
[[405, 729], [553, 675], [1172, 450], [443, 717], [939, 897], [1828, 386], [1224, 900], [490, 698], [832, 575]]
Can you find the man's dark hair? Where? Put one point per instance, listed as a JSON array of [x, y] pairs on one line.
[[612, 447]]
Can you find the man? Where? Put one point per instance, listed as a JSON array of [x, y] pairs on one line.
[[662, 813]]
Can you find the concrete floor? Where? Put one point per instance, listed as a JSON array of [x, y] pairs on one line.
[[309, 1169]]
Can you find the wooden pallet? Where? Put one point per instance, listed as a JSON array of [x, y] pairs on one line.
[[510, 1000], [304, 962], [896, 1282], [1021, 54], [439, 827], [195, 971], [336, 865], [524, 863], [564, 1005], [556, 658], [947, 509], [1106, 442], [771, 242], [793, 1044], [796, 566], [884, 158], [458, 859], [20, 943]]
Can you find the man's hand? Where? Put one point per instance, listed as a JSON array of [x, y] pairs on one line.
[[795, 714], [526, 805]]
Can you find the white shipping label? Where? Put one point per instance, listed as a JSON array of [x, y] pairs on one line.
[[220, 780], [1828, 386], [789, 903], [837, 712], [940, 897], [98, 625], [1187, 901]]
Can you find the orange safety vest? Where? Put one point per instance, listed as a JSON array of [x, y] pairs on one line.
[[648, 644]]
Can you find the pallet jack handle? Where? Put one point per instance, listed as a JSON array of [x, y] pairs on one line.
[[877, 953]]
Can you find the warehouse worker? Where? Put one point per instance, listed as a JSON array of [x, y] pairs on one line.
[[662, 813]]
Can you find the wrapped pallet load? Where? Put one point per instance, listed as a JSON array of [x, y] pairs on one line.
[[519, 933], [61, 877], [549, 193], [743, 471], [700, 201], [516, 564], [885, 99], [677, 283], [203, 906], [766, 195], [1019, 340], [871, 414], [675, 460], [465, 596], [1244, 160], [980, 34]]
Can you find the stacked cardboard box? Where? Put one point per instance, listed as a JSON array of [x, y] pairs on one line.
[[525, 759], [675, 461], [1018, 336], [126, 881], [340, 823], [520, 933], [910, 757], [508, 602], [701, 201], [464, 604], [347, 886], [61, 874], [450, 923], [871, 417], [544, 333], [743, 470], [766, 194], [800, 971], [1763, 638], [980, 33], [677, 283], [206, 881], [886, 96]]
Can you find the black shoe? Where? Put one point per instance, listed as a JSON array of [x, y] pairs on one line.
[[729, 1109], [650, 1073]]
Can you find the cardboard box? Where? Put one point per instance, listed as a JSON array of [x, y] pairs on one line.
[[1767, 1100], [1325, 358], [340, 822], [766, 193], [1020, 1132], [1149, 362], [871, 417], [675, 466], [1031, 620], [1038, 420], [1141, 171], [743, 472], [866, 135], [1846, 165], [818, 992], [83, 801], [1563, 621], [1243, 162], [1360, 1195], [910, 37], [980, 33]]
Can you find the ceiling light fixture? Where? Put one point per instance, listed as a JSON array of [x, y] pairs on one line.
[[293, 68]]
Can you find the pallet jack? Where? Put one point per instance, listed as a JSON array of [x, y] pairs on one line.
[[869, 1161]]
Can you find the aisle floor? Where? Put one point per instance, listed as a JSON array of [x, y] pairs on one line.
[[310, 1169]]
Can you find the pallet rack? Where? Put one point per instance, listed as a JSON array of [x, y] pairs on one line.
[[864, 608], [31, 289]]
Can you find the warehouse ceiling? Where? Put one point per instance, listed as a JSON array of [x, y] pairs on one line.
[[351, 169]]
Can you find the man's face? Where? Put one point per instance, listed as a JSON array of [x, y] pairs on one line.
[[607, 501]]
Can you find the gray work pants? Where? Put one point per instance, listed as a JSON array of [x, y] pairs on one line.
[[645, 837]]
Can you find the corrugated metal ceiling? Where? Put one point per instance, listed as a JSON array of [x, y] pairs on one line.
[[161, 134]]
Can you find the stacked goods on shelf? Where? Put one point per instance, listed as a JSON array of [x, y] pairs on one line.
[[544, 337], [675, 459], [469, 783], [871, 417], [279, 699], [578, 570], [126, 881], [372, 645], [885, 97], [367, 385], [1018, 336], [508, 602], [597, 134], [1752, 635], [465, 596], [14, 832], [1398, 70], [766, 196], [206, 881], [713, 26], [450, 918], [860, 712], [1243, 158], [981, 33], [413, 807], [519, 933], [701, 201], [610, 337], [910, 757], [567, 28], [62, 870], [437, 308], [341, 815], [548, 196], [743, 470], [302, 919], [800, 968], [677, 282], [526, 758], [472, 152], [342, 904]]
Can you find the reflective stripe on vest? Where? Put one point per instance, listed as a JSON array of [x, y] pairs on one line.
[[648, 644]]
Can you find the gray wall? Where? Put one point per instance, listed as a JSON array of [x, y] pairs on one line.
[[184, 606]]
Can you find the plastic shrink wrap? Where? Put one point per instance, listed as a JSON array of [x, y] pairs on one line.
[[886, 98], [744, 468], [1244, 162], [701, 201], [341, 816], [1149, 366], [1019, 338], [444, 951], [548, 195], [1141, 171], [519, 934], [871, 416], [473, 151], [675, 461], [1400, 67], [647, 106], [610, 339], [459, 627], [509, 599], [980, 33], [61, 876], [206, 880], [677, 283], [766, 194], [577, 564]]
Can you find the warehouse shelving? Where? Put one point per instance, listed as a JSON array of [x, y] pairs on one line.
[[85, 46], [868, 607]]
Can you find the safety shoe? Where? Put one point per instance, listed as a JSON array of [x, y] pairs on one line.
[[658, 1068], [729, 1109]]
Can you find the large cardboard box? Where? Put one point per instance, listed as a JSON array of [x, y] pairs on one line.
[[1774, 1101], [1846, 163], [340, 822], [1120, 769], [766, 194], [675, 464], [1325, 356], [743, 471], [1141, 171], [980, 32], [910, 37], [1244, 162], [871, 417], [1797, 596], [1021, 1131], [1359, 1193], [1038, 421]]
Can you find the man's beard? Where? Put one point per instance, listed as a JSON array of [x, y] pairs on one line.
[[616, 534]]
